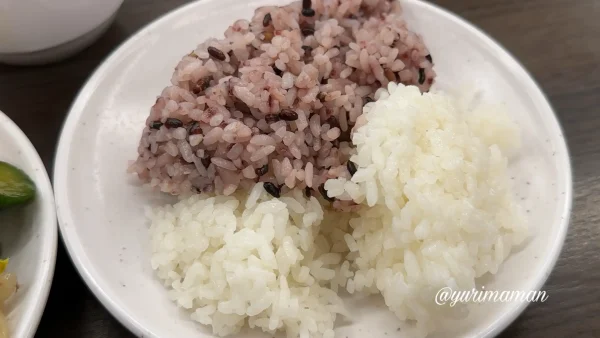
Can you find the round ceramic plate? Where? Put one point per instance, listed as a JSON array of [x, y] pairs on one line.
[[28, 235], [100, 207]]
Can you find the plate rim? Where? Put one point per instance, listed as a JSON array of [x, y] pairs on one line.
[[49, 228], [76, 111]]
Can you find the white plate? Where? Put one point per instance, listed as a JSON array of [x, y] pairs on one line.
[[28, 235], [100, 207]]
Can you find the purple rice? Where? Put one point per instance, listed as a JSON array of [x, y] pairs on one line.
[[229, 93]]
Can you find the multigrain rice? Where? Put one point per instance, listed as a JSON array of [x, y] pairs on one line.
[[281, 87]]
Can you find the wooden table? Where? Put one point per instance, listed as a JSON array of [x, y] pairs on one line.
[[557, 40]]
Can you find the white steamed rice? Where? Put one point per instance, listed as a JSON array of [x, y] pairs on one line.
[[251, 259], [439, 209]]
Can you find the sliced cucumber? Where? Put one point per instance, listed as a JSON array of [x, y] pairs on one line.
[[15, 186]]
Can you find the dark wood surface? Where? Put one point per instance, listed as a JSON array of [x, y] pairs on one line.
[[558, 41]]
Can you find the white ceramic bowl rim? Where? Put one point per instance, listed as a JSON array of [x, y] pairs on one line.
[[36, 25], [28, 323], [83, 263]]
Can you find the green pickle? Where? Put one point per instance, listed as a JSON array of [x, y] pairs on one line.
[[15, 186], [3, 264]]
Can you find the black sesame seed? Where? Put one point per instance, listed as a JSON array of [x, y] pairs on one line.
[[262, 170], [308, 12], [429, 58], [271, 118], [324, 81], [173, 123], [351, 167], [288, 115], [421, 75], [308, 31], [156, 125], [307, 192], [272, 189], [324, 193], [267, 20], [217, 54], [195, 129], [277, 71]]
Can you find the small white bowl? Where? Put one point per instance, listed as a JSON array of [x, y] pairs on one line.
[[28, 235], [100, 207], [39, 31]]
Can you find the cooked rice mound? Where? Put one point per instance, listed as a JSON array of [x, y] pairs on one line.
[[275, 100], [438, 210], [252, 260]]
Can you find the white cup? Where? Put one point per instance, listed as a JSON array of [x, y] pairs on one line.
[[44, 31]]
